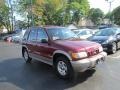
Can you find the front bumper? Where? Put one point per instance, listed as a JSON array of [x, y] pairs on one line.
[[107, 47], [88, 63]]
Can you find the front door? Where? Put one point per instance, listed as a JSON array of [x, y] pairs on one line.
[[42, 44]]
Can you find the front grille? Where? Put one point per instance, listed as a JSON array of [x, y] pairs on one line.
[[93, 52]]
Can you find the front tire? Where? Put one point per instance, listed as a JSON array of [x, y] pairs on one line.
[[114, 48], [26, 56], [63, 68]]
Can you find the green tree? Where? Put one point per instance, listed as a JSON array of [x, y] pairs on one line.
[[96, 15], [109, 16], [55, 12], [51, 11], [4, 15], [44, 11], [21, 24], [116, 15], [77, 10]]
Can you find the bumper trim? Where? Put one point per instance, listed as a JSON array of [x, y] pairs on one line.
[[84, 64]]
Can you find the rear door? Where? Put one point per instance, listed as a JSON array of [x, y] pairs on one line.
[[31, 44]]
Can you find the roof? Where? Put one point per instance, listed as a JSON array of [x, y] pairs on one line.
[[47, 27]]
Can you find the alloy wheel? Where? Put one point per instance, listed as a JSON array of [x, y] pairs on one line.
[[62, 68]]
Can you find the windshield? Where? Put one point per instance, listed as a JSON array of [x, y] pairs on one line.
[[61, 34], [82, 33], [105, 32]]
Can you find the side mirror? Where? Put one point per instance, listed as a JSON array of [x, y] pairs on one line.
[[44, 40]]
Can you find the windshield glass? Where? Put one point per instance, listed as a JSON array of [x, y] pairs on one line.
[[105, 32], [61, 34], [82, 33]]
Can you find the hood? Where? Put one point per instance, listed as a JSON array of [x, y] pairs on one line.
[[77, 45], [99, 39]]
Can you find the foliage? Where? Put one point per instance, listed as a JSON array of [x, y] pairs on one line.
[[55, 12], [4, 15], [109, 16], [116, 15], [96, 15], [52, 12], [21, 24]]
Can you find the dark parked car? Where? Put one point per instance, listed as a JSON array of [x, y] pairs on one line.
[[104, 26], [109, 38], [61, 48]]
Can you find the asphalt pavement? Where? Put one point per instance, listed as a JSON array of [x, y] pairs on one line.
[[15, 74]]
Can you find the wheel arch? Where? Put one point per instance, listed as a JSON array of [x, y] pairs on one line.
[[59, 53], [115, 43], [23, 48]]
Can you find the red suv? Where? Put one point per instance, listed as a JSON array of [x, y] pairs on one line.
[[61, 48]]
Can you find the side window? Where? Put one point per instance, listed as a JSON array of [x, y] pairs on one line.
[[32, 35], [84, 33], [41, 35], [89, 32]]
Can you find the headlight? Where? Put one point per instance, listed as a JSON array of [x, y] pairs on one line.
[[108, 40], [79, 55], [100, 49]]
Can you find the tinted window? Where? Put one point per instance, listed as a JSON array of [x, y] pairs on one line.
[[41, 35], [32, 35]]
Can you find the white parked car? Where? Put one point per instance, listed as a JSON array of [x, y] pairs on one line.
[[18, 37], [95, 30], [85, 33]]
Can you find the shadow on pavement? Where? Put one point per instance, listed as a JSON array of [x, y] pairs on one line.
[[35, 76]]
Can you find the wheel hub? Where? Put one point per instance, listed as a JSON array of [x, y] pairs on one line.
[[26, 55], [62, 68], [114, 48]]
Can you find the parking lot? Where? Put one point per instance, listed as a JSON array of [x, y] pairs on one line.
[[15, 74]]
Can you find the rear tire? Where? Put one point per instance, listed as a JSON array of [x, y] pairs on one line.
[[26, 56], [63, 68]]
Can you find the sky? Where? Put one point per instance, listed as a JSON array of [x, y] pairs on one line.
[[103, 5]]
